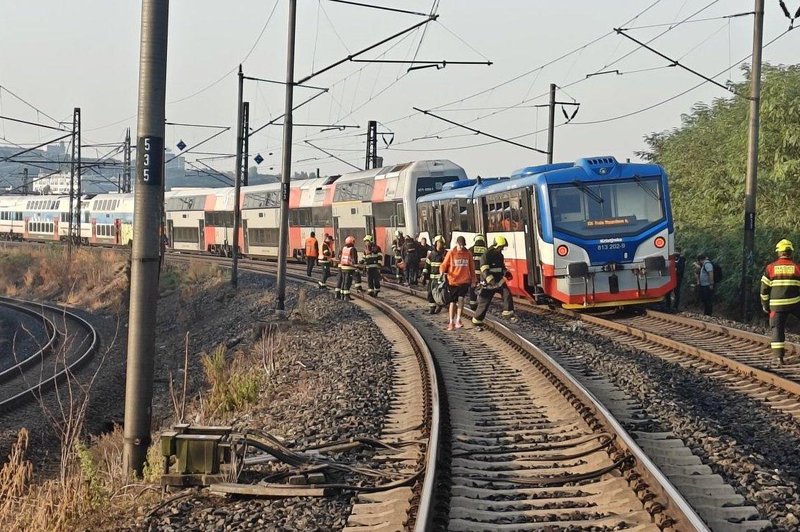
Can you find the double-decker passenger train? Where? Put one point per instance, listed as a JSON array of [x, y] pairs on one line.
[[593, 233], [378, 201]]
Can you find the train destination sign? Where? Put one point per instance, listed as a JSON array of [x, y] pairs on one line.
[[609, 222]]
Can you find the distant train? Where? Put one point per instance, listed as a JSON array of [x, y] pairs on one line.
[[379, 201], [593, 233]]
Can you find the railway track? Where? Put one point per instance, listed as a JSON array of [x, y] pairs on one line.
[[71, 342], [530, 448]]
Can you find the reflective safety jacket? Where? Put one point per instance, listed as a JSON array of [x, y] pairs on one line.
[[372, 255], [433, 262], [780, 285], [493, 266], [312, 248], [348, 258], [397, 247], [327, 253], [477, 252]]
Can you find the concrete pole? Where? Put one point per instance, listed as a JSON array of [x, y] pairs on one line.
[[286, 166], [752, 162], [551, 125], [237, 188], [148, 201]]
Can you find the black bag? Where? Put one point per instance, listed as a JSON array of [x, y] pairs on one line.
[[717, 272], [440, 292]]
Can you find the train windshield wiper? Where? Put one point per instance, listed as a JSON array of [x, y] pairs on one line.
[[639, 182], [583, 188]]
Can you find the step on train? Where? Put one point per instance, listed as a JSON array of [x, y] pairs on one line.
[[587, 234]]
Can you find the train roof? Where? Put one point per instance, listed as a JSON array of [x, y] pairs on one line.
[[462, 189], [431, 167], [586, 169]]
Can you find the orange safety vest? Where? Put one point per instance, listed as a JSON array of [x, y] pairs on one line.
[[346, 259], [311, 247]]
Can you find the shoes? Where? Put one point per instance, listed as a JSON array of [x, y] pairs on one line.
[[513, 319], [432, 310], [450, 326], [459, 325], [438, 310]]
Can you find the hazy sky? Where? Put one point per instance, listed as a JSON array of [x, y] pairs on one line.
[[60, 54]]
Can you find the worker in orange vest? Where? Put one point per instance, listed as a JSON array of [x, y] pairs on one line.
[[312, 252]]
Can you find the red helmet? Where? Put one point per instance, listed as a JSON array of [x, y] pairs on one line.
[[349, 241]]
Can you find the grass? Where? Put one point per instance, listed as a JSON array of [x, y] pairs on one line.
[[234, 384]]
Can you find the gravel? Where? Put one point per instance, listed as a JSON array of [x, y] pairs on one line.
[[753, 447]]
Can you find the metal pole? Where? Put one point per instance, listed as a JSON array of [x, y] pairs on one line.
[[551, 124], [126, 165], [71, 187], [25, 180], [78, 169], [237, 187], [372, 145], [752, 162], [246, 143], [286, 165], [148, 201]]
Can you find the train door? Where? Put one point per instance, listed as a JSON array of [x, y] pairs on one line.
[[530, 222], [369, 224], [202, 235], [337, 242], [245, 243], [171, 233]]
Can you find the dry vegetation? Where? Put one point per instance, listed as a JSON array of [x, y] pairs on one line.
[[96, 280]]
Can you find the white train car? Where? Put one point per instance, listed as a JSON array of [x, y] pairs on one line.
[[185, 214], [12, 223], [261, 219]]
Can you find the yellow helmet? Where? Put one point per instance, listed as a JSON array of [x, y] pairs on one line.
[[479, 238], [784, 245], [368, 238], [500, 240], [438, 238]]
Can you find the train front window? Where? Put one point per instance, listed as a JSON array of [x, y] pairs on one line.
[[616, 208], [427, 185]]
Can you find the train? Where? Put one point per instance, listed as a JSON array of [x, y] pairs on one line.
[[591, 233], [377, 201], [594, 233]]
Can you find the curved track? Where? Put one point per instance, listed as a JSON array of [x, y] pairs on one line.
[[530, 447], [72, 343], [37, 344]]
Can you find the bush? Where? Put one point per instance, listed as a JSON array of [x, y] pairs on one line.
[[233, 385]]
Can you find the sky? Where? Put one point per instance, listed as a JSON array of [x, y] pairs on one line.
[[57, 55]]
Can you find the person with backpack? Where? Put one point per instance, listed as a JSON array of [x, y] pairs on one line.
[[705, 282], [780, 295]]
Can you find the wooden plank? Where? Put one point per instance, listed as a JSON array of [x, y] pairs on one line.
[[266, 490]]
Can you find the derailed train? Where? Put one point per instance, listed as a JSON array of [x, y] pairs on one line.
[[587, 234]]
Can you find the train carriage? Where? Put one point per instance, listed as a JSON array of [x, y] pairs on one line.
[[12, 223], [592, 233], [185, 216], [107, 219], [261, 218]]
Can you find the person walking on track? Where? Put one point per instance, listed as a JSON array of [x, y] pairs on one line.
[[494, 276], [705, 283], [372, 263], [312, 252], [348, 258], [780, 295], [397, 249], [325, 260], [478, 249], [460, 272], [411, 259], [430, 273]]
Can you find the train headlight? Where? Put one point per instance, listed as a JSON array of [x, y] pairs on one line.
[[660, 242], [562, 250]]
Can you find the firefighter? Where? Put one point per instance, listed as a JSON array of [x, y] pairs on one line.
[[780, 295], [312, 252], [372, 263], [325, 260], [478, 249], [411, 258], [430, 273], [494, 276], [348, 258], [397, 250]]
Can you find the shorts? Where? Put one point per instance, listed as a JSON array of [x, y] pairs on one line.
[[459, 290]]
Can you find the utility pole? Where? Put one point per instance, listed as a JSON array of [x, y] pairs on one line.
[[25, 180], [77, 148], [286, 165], [752, 162], [148, 204], [372, 145], [246, 143], [74, 172], [551, 123], [126, 163], [237, 186]]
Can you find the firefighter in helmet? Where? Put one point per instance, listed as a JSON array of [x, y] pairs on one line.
[[430, 274], [780, 295], [494, 277], [348, 259]]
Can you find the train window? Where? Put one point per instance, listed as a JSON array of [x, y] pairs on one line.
[[185, 234], [425, 219], [321, 216], [401, 214], [262, 237], [187, 203], [427, 185], [386, 213], [353, 191], [219, 218], [300, 217], [261, 200]]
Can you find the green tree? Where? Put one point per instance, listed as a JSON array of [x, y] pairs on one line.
[[706, 159]]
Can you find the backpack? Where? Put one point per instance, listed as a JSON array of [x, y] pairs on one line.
[[440, 292], [717, 272]]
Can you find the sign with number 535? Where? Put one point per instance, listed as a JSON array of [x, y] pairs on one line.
[[150, 161]]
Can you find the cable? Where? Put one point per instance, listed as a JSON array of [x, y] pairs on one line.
[[2, 88]]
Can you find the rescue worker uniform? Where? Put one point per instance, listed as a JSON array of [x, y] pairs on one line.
[[397, 250], [411, 258], [347, 265], [780, 295], [372, 263], [325, 262], [478, 249], [493, 275], [312, 253], [431, 273]]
